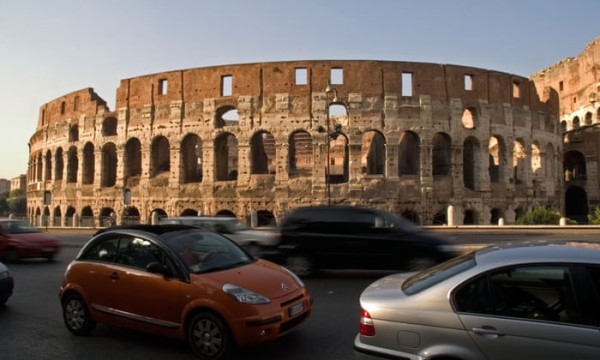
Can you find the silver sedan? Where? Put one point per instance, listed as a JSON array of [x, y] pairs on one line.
[[528, 301]]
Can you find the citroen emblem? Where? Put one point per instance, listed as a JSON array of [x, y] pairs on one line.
[[284, 287]]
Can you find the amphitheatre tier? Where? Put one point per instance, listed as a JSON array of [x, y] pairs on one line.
[[432, 142]]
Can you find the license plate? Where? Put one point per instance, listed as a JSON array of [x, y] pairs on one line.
[[296, 309]]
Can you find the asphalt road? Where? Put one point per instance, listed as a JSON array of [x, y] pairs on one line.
[[31, 324]]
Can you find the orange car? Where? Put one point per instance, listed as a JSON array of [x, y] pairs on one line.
[[182, 282]]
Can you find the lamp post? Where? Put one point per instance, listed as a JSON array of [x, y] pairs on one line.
[[328, 91]]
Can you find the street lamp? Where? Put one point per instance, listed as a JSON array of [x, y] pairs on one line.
[[330, 136]]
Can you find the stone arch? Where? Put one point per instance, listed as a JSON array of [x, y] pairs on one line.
[[470, 217], [262, 150], [576, 122], [39, 167], [471, 163], [338, 160], [189, 212], [87, 217], [576, 204], [56, 216], [108, 170], [495, 215], [88, 164], [519, 157], [48, 166], [132, 161], [537, 161], [441, 154], [225, 212], [72, 165], [160, 163], [226, 157], [588, 119], [497, 158], [130, 216], [265, 218], [59, 165], [74, 132], [300, 154], [107, 217], [409, 154], [564, 126], [440, 218], [191, 159], [373, 153], [156, 215], [69, 215], [469, 118], [549, 164], [226, 115], [574, 165], [109, 126]]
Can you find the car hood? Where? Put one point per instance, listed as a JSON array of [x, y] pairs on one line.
[[261, 276], [35, 238]]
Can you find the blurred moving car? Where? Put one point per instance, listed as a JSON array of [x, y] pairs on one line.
[[503, 302], [230, 227], [183, 282], [346, 237], [19, 240], [6, 284]]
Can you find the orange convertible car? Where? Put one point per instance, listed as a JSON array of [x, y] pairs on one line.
[[184, 282]]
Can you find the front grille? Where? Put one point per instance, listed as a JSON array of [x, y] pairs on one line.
[[291, 301]]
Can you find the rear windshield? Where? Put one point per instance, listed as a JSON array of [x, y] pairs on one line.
[[434, 275]]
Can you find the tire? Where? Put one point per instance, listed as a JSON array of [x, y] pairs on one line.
[[301, 265], [76, 315], [209, 336]]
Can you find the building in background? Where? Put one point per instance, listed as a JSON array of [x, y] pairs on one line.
[[576, 80], [4, 186], [19, 182]]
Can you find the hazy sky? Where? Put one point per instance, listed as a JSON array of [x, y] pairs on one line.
[[49, 48]]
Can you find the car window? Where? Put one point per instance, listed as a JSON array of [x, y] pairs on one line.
[[527, 292], [138, 252], [438, 273], [203, 251], [19, 227], [102, 251]]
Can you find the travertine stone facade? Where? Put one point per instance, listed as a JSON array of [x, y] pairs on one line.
[[577, 83], [257, 140]]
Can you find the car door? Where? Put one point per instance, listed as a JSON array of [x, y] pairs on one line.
[[138, 295], [528, 312]]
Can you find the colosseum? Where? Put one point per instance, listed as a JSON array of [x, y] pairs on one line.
[[435, 143]]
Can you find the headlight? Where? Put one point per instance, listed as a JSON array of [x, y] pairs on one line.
[[244, 296], [4, 274]]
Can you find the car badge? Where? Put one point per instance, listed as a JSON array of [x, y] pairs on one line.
[[284, 287]]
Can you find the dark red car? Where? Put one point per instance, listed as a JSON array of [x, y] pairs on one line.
[[19, 240]]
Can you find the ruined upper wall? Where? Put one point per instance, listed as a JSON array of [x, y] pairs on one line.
[[370, 78], [84, 102], [576, 80]]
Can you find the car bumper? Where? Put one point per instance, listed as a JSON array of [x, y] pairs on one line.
[[37, 252], [252, 331], [367, 352]]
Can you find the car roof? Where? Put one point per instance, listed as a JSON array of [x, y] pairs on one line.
[[540, 252], [211, 218], [155, 229]]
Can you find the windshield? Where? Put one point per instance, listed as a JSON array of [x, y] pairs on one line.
[[19, 227], [434, 275], [204, 251]]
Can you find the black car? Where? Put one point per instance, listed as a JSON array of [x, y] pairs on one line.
[[346, 237]]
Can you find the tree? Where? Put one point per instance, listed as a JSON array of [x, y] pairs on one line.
[[540, 216], [16, 203]]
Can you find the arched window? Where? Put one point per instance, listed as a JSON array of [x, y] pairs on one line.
[[300, 154], [161, 157], [226, 157], [262, 148], [409, 154], [88, 164], [373, 153], [441, 154], [108, 172], [191, 159]]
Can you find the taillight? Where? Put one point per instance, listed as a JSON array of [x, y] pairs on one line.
[[366, 324]]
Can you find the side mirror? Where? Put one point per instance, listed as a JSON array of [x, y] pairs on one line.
[[158, 268]]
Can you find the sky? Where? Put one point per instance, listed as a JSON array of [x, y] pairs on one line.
[[49, 48]]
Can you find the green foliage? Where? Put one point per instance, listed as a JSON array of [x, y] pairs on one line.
[[14, 203], [540, 216], [594, 219]]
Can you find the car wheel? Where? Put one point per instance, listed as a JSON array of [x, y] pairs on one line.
[[420, 263], [76, 315], [301, 265], [209, 336]]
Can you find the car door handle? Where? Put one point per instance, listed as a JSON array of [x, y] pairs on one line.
[[488, 331], [114, 276]]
